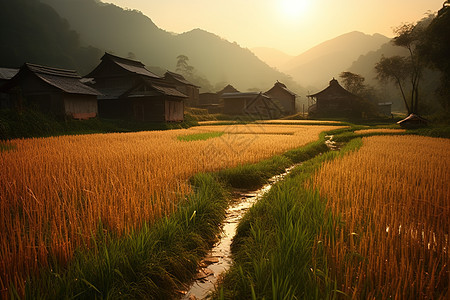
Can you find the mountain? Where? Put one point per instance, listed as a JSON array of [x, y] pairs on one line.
[[33, 32], [130, 33], [273, 57], [319, 64]]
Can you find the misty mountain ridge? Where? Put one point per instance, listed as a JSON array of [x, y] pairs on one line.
[[130, 33], [318, 65], [273, 57]]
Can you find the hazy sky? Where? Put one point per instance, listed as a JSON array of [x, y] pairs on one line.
[[292, 26]]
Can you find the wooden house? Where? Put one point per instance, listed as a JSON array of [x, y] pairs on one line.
[[227, 89], [286, 98], [54, 91], [250, 103], [384, 109], [211, 102], [5, 75], [335, 101], [413, 121], [131, 91], [184, 86]]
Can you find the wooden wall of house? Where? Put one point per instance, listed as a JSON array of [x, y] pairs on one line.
[[81, 106], [113, 109], [150, 109], [285, 99], [234, 106], [174, 110], [192, 92]]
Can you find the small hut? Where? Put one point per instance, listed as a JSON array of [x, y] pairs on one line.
[[5, 75], [54, 91], [184, 86], [250, 103], [286, 98], [335, 101], [413, 121]]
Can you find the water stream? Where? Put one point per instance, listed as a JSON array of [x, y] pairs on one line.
[[219, 258]]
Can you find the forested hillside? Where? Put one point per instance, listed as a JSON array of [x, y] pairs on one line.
[[130, 33], [33, 32]]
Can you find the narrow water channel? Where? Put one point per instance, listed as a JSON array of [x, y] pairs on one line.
[[219, 258]]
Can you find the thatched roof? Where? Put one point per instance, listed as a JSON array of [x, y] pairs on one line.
[[129, 65], [7, 73], [67, 81], [228, 89], [282, 86], [334, 89], [413, 120], [177, 77]]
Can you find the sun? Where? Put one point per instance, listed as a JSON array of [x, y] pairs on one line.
[[294, 8]]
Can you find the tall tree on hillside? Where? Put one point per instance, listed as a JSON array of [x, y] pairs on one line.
[[190, 73], [354, 83], [397, 69], [183, 66], [435, 49]]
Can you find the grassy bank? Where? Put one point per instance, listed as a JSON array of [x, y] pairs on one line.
[[148, 263], [30, 123], [287, 220]]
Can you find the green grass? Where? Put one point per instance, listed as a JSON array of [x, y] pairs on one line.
[[273, 248], [30, 123], [199, 136], [148, 263]]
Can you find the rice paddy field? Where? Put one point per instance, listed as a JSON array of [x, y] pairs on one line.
[[392, 198], [56, 193]]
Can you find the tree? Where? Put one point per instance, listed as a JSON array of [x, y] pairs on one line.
[[435, 49], [354, 83], [190, 73], [183, 66], [396, 69]]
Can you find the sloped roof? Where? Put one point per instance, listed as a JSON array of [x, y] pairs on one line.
[[281, 86], [158, 86], [67, 81], [241, 95], [7, 73], [334, 89], [413, 118], [178, 77], [168, 91], [129, 65], [228, 89]]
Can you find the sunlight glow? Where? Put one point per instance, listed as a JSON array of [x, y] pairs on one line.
[[294, 8]]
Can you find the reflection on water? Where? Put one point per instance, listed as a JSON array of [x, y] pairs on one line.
[[219, 258]]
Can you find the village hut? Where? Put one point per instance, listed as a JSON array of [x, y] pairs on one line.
[[227, 89], [335, 101], [131, 91], [282, 95], [250, 103], [52, 91], [184, 86], [413, 121], [5, 75], [211, 102]]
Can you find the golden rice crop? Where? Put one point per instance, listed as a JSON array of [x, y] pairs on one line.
[[56, 192], [393, 197], [380, 130]]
